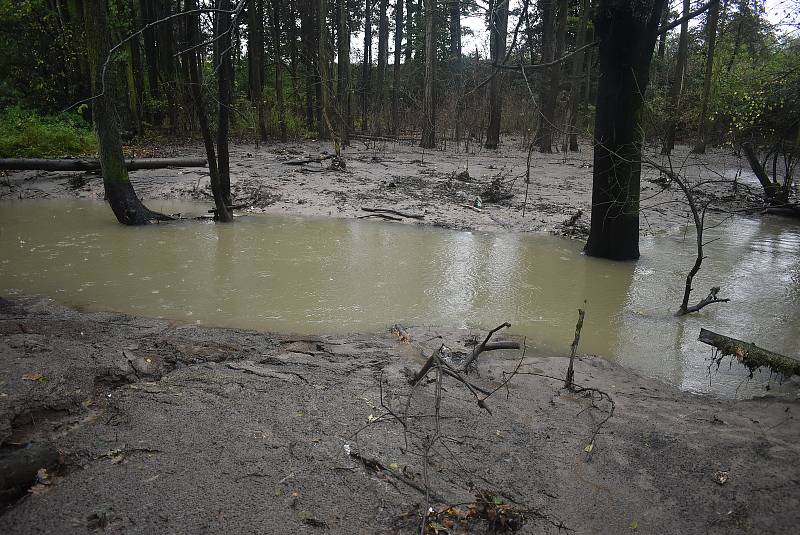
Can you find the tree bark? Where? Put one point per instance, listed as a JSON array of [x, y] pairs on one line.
[[255, 62], [325, 125], [711, 28], [222, 61], [498, 30], [278, 60], [119, 191], [574, 121], [676, 89], [429, 104], [308, 38], [366, 66], [627, 33], [457, 64], [750, 355], [383, 60], [411, 28], [398, 46], [343, 63]]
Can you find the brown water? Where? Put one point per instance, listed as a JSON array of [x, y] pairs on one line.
[[313, 275]]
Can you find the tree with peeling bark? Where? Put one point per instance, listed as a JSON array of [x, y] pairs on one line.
[[125, 204], [429, 104], [498, 30], [626, 32]]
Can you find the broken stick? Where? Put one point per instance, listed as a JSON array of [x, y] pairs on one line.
[[395, 212]]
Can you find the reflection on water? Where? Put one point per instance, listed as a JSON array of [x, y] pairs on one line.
[[336, 275]]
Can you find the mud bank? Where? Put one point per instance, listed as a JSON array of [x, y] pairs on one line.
[[443, 185], [164, 427]]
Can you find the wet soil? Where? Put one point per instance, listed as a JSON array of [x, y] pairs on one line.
[[163, 427], [441, 184]]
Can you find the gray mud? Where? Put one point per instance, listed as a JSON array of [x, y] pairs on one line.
[[170, 428]]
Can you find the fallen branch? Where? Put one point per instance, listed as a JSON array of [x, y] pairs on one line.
[[485, 346], [380, 216], [709, 299], [69, 164], [395, 212], [304, 161], [476, 209], [750, 355]]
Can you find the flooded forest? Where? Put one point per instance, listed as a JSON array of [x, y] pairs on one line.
[[426, 267]]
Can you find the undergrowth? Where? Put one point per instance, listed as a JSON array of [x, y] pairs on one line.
[[25, 134]]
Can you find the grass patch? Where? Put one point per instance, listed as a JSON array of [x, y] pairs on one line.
[[25, 134]]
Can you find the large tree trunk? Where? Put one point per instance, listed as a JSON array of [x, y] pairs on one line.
[[383, 60], [119, 191], [224, 66], [255, 62], [343, 81], [576, 79], [676, 89], [457, 64], [711, 28], [626, 32], [193, 39], [366, 67], [276, 47], [429, 104], [398, 45], [498, 29]]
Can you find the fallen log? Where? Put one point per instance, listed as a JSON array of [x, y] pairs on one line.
[[91, 164], [304, 161], [750, 355]]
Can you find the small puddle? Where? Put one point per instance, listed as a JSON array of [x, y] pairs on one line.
[[325, 275]]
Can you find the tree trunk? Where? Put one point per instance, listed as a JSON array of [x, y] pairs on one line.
[[676, 89], [411, 28], [549, 101], [276, 47], [429, 104], [627, 33], [366, 66], [307, 36], [456, 65], [255, 62], [119, 191], [151, 55], [398, 45], [711, 28], [576, 78], [498, 29], [223, 64], [166, 61], [343, 89], [383, 60], [193, 39], [750, 355], [325, 125]]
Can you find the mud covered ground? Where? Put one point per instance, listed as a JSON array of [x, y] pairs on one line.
[[160, 427], [441, 184]]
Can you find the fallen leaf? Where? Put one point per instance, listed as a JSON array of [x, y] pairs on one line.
[[35, 376], [634, 524], [589, 448]]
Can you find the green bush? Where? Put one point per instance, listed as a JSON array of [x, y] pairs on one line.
[[24, 133]]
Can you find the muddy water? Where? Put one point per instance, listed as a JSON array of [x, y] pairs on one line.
[[335, 275]]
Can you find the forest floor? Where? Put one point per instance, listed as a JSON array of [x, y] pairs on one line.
[[442, 185], [162, 427]]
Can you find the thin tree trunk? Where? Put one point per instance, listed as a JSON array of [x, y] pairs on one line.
[[193, 39], [547, 115], [429, 104], [325, 125], [498, 29], [343, 86], [366, 66], [627, 36], [307, 37], [119, 191], [398, 45], [223, 64], [383, 60], [711, 28], [255, 62], [166, 61], [676, 89], [457, 64], [411, 28], [576, 79], [276, 47]]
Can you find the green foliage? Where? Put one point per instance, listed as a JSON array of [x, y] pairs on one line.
[[23, 133]]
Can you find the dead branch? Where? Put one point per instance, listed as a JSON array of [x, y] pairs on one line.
[[750, 355], [568, 382], [395, 212], [304, 161], [380, 216], [709, 299], [480, 348]]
